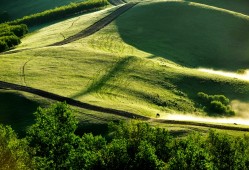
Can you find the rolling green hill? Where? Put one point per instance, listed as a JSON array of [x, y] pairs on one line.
[[198, 36], [147, 61]]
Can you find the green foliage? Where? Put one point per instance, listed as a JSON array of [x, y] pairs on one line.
[[10, 35], [227, 152], [115, 155], [218, 104], [146, 157], [88, 153], [52, 136], [60, 12], [190, 153], [13, 151], [3, 46], [19, 30], [131, 145]]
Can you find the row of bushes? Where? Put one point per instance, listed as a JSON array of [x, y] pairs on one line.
[[10, 35], [60, 12], [51, 143], [217, 104]]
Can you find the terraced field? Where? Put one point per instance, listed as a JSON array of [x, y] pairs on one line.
[[141, 61]]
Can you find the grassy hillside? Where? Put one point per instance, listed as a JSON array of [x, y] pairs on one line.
[[19, 8], [139, 63], [198, 36]]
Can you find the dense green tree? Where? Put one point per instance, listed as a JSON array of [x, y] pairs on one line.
[[52, 137], [190, 153], [146, 158], [13, 151], [115, 155], [88, 153]]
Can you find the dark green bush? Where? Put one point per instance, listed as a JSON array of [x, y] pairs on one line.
[[10, 35], [19, 30], [3, 46], [218, 104], [11, 41]]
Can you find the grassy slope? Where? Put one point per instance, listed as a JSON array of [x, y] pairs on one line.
[[203, 36], [104, 70], [20, 8]]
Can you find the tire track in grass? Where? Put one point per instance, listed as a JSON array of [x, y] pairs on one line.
[[100, 24]]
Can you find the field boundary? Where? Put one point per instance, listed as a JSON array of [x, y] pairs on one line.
[[72, 102]]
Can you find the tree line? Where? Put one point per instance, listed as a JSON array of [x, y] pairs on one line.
[[51, 143], [61, 12]]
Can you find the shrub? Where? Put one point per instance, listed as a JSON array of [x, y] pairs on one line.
[[216, 104], [10, 35], [19, 30], [10, 40]]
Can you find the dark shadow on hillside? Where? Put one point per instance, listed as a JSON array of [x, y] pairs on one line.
[[100, 82], [189, 35], [17, 111]]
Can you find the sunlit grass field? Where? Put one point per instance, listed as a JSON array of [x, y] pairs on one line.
[[138, 63]]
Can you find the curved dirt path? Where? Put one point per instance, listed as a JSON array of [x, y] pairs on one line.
[[72, 102], [97, 26]]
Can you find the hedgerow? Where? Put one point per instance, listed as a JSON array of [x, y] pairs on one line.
[[61, 12]]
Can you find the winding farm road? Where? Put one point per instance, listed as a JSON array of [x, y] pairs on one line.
[[72, 102], [97, 26]]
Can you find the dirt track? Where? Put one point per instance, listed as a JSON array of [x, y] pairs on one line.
[[5, 85], [11, 86], [96, 26]]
